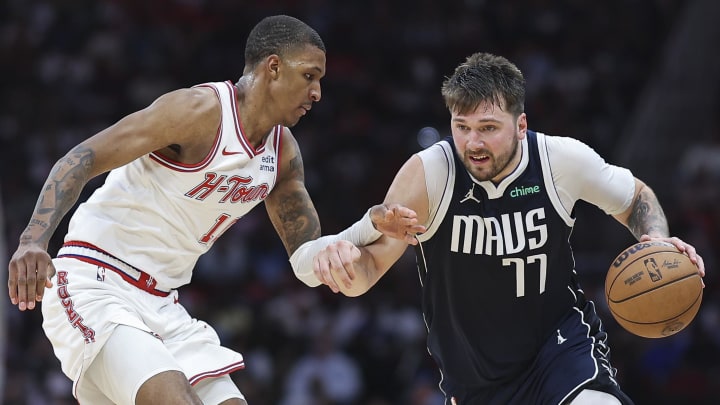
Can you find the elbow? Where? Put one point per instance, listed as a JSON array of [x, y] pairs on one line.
[[353, 291]]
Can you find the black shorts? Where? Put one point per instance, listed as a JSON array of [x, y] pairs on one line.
[[574, 358]]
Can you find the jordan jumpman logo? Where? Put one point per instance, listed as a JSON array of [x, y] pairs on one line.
[[470, 195], [560, 338]]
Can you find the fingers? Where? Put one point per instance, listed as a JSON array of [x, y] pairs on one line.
[[334, 265], [27, 279], [43, 281], [684, 247], [13, 282], [397, 221], [321, 267]]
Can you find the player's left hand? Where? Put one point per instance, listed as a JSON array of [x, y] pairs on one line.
[[396, 221], [684, 247]]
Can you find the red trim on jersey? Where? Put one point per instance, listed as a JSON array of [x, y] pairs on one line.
[[278, 149], [144, 282], [252, 152], [217, 373], [184, 167]]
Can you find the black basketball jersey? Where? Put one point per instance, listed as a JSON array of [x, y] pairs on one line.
[[497, 274]]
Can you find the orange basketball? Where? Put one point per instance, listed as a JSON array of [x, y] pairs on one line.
[[653, 290]]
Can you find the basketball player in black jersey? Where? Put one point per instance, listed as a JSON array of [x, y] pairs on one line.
[[507, 320]]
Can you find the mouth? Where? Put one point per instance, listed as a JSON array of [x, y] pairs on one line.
[[479, 158]]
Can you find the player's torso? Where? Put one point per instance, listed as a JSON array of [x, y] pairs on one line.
[[497, 272], [160, 215]]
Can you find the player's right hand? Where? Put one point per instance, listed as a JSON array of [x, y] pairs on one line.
[[29, 273], [396, 221], [334, 265]]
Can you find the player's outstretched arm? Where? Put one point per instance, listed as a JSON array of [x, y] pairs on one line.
[[352, 261], [174, 118]]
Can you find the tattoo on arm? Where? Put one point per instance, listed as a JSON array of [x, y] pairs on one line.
[[647, 216], [298, 220], [60, 192]]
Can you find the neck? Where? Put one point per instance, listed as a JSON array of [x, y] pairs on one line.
[[250, 101]]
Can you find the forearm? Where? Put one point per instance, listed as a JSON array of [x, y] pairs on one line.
[[647, 216], [59, 193], [360, 233]]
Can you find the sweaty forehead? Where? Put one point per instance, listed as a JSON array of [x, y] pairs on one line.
[[308, 57]]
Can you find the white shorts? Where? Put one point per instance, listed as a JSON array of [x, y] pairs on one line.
[[86, 304], [103, 385]]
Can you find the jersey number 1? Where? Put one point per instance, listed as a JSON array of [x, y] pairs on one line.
[[221, 225]]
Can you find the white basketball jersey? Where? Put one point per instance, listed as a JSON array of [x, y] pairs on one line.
[[158, 215]]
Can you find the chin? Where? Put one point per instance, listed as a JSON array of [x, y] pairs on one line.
[[291, 123]]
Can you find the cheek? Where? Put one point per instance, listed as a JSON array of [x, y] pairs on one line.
[[460, 142]]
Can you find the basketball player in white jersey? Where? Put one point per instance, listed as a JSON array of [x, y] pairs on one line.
[[507, 321], [182, 171]]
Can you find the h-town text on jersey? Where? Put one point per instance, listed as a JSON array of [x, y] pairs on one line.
[[234, 189]]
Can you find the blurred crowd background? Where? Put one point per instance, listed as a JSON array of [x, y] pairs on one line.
[[635, 79]]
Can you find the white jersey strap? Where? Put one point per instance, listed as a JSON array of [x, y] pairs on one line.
[[439, 166]]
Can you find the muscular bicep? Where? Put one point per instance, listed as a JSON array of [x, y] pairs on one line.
[[409, 189], [289, 206]]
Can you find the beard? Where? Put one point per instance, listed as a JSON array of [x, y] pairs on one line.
[[497, 163]]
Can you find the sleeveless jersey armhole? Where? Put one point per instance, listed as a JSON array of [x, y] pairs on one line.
[[439, 166], [552, 190]]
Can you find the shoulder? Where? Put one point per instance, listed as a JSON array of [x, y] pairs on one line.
[[439, 154], [188, 108], [196, 100], [565, 147], [291, 162], [290, 145], [571, 155]]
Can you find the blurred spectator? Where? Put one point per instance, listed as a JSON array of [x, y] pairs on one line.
[[323, 376]]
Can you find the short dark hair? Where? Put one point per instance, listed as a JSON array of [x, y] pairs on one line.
[[277, 35], [484, 77]]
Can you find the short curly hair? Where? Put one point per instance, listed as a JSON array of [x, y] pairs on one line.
[[277, 35]]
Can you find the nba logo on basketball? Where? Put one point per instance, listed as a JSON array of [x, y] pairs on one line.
[[653, 269]]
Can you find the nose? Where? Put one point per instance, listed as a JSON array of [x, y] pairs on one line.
[[315, 93], [476, 140]]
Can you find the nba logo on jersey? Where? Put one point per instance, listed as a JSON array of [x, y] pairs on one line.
[[100, 273]]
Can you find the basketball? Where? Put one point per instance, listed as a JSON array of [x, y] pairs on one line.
[[653, 290]]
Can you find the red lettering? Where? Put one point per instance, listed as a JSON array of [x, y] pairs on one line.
[[62, 278], [212, 181], [236, 182], [62, 292], [73, 317]]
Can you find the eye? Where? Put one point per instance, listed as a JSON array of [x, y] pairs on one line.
[[309, 76]]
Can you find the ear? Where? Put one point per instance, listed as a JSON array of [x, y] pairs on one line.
[[273, 66], [522, 126]]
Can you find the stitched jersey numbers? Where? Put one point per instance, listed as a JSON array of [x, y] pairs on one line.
[[221, 225], [530, 263]]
